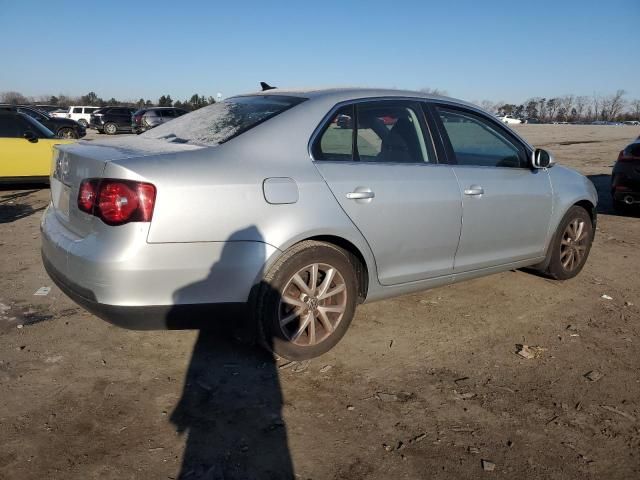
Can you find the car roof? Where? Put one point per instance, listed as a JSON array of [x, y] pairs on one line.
[[345, 93]]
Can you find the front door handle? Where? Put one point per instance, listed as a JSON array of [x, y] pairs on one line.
[[360, 195], [474, 190]]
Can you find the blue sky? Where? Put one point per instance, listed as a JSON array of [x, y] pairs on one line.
[[499, 50]]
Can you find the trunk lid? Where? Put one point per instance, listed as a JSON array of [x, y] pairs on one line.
[[71, 164]]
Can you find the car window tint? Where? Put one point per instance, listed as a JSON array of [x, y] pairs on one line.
[[32, 113], [336, 141], [167, 113], [77, 110], [476, 142], [390, 132], [8, 126]]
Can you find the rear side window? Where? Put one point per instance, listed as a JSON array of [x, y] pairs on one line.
[[476, 142], [390, 132], [167, 113], [223, 121], [90, 110], [336, 142], [387, 132]]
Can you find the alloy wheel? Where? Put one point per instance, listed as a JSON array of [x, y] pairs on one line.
[[312, 304], [573, 245]]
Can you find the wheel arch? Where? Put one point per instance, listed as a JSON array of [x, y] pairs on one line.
[[363, 268], [591, 209]]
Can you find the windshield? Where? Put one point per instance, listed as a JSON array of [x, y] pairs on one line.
[[38, 127], [222, 121]]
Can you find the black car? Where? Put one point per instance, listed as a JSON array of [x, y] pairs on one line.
[[111, 120], [62, 127], [625, 178]]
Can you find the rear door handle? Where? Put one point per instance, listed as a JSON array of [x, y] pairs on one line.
[[360, 195], [474, 190]]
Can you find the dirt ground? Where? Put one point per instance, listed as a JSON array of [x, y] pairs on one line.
[[422, 386]]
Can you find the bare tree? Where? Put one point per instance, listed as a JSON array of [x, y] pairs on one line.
[[566, 103], [597, 106], [635, 108], [552, 108], [581, 103], [14, 98], [434, 91], [488, 105], [616, 104]]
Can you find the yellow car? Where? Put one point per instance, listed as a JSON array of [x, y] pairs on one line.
[[26, 148]]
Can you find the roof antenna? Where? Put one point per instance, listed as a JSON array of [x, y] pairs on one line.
[[265, 86]]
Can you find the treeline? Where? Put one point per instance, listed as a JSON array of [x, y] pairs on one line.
[[571, 108], [92, 99]]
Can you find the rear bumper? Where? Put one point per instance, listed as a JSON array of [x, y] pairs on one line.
[[625, 187], [148, 317], [121, 278]]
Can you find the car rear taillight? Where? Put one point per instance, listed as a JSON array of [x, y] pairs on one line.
[[137, 119], [117, 202], [627, 155]]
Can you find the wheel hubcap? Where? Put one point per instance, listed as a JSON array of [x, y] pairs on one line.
[[573, 245], [312, 304]]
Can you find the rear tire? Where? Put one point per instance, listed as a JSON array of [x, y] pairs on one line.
[[307, 300], [571, 244], [110, 128], [83, 122]]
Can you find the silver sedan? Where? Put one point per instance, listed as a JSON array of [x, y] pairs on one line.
[[290, 208]]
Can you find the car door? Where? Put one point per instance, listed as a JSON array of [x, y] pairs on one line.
[[378, 159], [506, 204], [20, 157]]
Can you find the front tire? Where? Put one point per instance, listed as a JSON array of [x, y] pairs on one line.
[[307, 300], [83, 122], [110, 128], [67, 133], [571, 245]]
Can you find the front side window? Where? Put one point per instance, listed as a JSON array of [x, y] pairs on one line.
[[77, 110], [90, 110], [476, 142], [222, 121]]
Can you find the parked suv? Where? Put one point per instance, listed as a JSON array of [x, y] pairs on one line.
[[62, 127], [148, 118], [625, 178], [80, 114], [111, 120]]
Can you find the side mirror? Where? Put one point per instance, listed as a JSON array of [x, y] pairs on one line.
[[542, 159], [29, 135]]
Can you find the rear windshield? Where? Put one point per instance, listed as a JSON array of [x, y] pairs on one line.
[[222, 121]]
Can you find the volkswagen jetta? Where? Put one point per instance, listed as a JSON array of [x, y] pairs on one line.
[[273, 204]]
